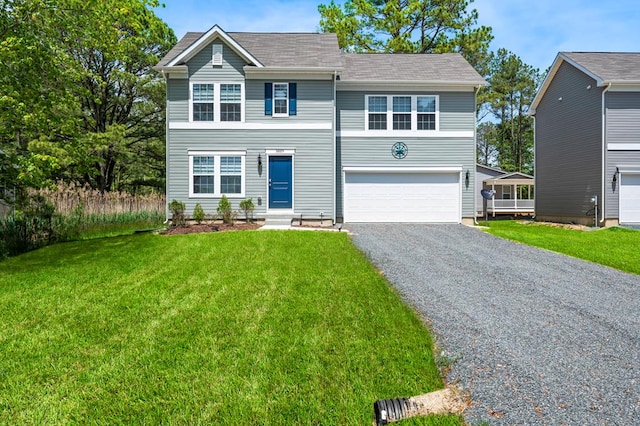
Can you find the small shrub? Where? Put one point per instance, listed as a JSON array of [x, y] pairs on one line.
[[225, 212], [248, 208], [198, 213], [177, 209]]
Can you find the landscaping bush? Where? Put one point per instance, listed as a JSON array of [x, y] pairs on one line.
[[198, 213], [248, 209], [177, 209], [225, 212]]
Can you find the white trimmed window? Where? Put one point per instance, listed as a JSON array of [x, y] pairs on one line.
[[404, 112], [214, 174], [203, 101], [216, 102], [280, 99]]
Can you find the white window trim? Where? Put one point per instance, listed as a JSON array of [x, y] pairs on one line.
[[414, 114], [216, 172], [216, 101], [273, 99]]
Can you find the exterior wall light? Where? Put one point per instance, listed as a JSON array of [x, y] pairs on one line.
[[615, 175], [259, 160], [466, 178]]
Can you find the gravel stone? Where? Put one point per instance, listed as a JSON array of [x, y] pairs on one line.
[[536, 337]]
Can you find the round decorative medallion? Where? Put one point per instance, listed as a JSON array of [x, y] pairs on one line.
[[399, 150]]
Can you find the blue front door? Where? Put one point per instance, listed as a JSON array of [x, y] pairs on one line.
[[280, 182]]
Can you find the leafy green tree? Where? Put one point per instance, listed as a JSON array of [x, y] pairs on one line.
[[512, 87], [486, 149], [79, 99], [415, 26]]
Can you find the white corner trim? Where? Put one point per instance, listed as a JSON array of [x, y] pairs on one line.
[[406, 169], [623, 146], [236, 125], [405, 133]]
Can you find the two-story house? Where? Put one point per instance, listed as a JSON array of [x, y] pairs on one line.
[[587, 139], [306, 130]]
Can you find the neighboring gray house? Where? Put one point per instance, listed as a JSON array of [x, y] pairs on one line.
[[513, 192], [587, 139], [303, 129]]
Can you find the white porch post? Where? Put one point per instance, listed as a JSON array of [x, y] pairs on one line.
[[493, 199], [515, 189]]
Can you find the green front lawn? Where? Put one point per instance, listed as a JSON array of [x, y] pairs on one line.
[[614, 247], [233, 328]]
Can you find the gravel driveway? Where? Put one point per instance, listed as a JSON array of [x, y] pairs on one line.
[[536, 337]]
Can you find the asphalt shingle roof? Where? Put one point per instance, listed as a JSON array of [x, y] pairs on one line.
[[445, 67], [609, 66], [277, 49], [310, 50]]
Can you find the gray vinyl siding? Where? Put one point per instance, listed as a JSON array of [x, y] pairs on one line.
[[200, 68], [623, 117], [178, 99], [617, 159], [314, 101], [457, 109], [313, 166], [423, 152], [482, 174], [568, 146]]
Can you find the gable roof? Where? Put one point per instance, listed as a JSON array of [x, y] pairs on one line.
[[606, 68], [444, 68], [279, 50]]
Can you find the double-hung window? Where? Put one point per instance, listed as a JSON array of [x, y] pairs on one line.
[[203, 101], [402, 113], [377, 112], [213, 174], [412, 113], [230, 102], [280, 99], [426, 112], [216, 102]]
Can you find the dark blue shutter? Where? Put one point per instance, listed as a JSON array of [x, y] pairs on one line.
[[268, 103], [293, 99]]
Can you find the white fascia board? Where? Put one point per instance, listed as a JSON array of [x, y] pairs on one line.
[[214, 33], [406, 169], [238, 125], [627, 86], [177, 69], [405, 133], [390, 86], [312, 73], [623, 146]]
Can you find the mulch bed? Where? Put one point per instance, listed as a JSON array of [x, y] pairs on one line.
[[210, 227]]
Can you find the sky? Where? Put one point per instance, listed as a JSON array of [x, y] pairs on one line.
[[535, 30]]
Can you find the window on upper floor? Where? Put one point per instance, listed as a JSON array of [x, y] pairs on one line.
[[280, 99], [404, 112], [216, 101], [213, 174]]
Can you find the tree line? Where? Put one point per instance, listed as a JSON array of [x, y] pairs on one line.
[[79, 101]]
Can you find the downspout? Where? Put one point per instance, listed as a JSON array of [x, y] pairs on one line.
[[475, 156], [604, 152], [166, 146], [335, 143]]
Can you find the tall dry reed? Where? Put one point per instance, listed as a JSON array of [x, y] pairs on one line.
[[67, 197]]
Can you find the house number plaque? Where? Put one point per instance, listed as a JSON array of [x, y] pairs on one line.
[[399, 150]]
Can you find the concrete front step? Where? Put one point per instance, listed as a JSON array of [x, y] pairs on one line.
[[277, 221]]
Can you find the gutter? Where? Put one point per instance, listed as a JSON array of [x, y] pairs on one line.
[[475, 156], [335, 144], [604, 152]]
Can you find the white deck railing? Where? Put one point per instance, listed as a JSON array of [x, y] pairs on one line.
[[510, 205]]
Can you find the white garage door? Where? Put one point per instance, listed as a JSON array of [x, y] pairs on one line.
[[402, 197], [630, 198]]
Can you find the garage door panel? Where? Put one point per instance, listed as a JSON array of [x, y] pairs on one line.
[[402, 197], [630, 198]]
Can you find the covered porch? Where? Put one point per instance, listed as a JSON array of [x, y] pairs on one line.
[[513, 194]]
